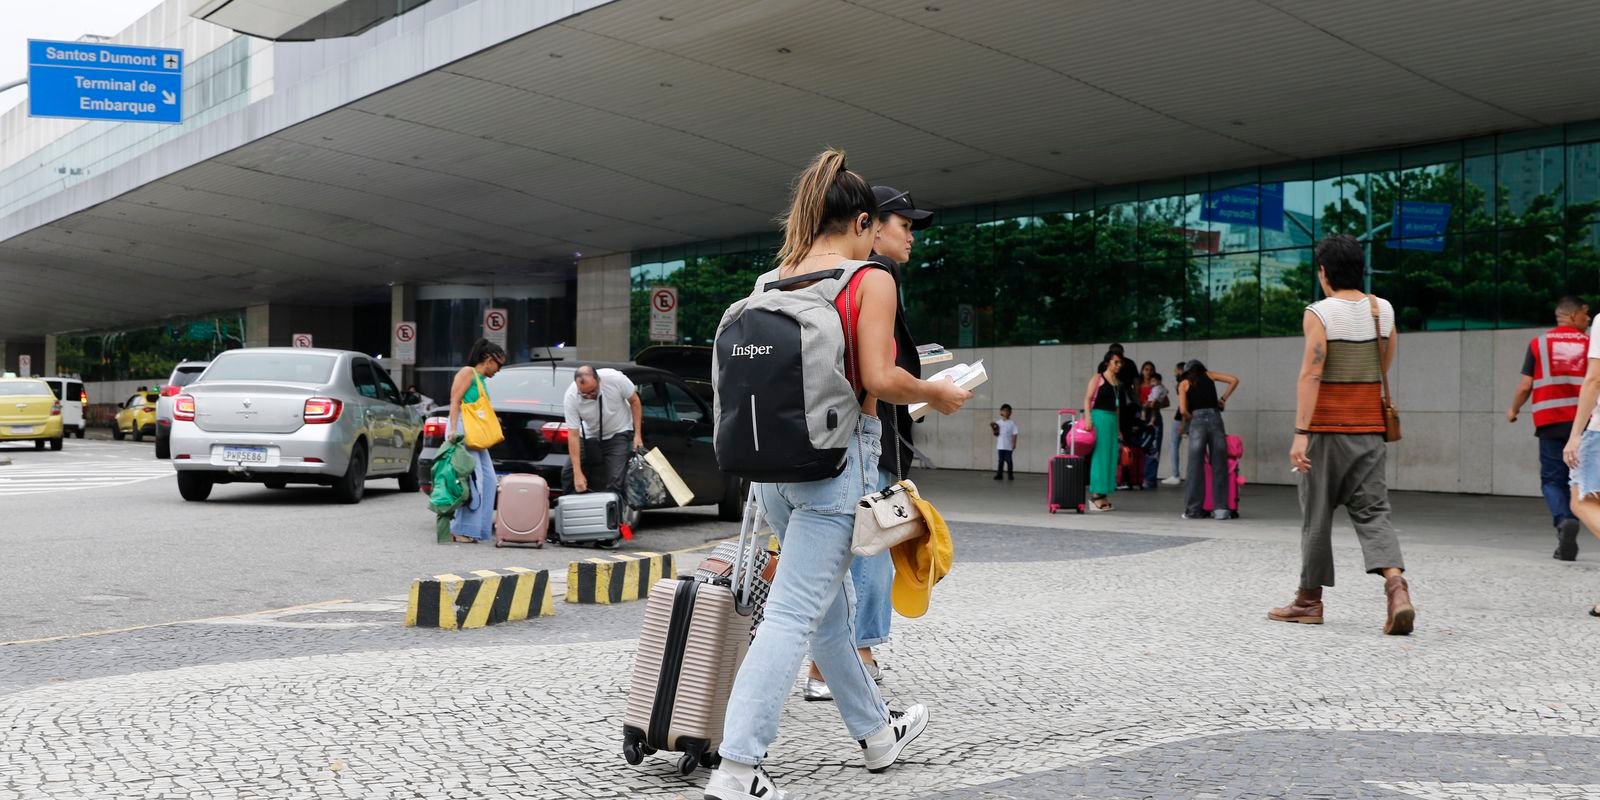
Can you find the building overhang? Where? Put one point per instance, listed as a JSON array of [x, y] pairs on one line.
[[469, 149]]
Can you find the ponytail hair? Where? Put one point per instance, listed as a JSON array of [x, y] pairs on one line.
[[827, 198], [483, 350]]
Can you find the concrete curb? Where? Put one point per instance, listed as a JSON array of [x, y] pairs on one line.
[[483, 597], [617, 579]]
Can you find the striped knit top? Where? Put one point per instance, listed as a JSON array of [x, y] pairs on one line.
[[1351, 398]]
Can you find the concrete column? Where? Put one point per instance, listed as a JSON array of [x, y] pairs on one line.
[[604, 298], [258, 326], [5, 363], [402, 308], [49, 355]]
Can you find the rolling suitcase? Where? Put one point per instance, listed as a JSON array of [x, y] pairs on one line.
[[522, 512], [1130, 468], [591, 517], [1069, 472], [696, 633], [1235, 479]]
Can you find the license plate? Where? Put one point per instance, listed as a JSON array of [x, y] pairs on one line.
[[22, 429], [245, 455]]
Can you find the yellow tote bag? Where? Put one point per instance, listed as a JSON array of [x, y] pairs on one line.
[[480, 427]]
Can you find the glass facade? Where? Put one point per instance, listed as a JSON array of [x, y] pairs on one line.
[[1480, 233]]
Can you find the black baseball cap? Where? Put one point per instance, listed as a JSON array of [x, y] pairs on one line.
[[893, 201]]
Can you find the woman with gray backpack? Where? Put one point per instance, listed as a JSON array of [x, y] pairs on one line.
[[800, 366]]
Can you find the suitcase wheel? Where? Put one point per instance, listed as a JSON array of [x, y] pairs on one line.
[[711, 760], [633, 747], [688, 764], [612, 545]]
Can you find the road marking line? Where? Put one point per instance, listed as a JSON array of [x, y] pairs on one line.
[[164, 624]]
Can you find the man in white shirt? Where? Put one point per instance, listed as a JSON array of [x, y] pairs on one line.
[[604, 419], [1005, 443]]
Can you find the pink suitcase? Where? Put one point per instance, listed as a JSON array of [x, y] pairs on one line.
[[522, 512], [1235, 480]]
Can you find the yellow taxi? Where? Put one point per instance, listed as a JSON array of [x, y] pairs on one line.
[[137, 416], [29, 411]]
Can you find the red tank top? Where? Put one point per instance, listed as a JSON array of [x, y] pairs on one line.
[[850, 298]]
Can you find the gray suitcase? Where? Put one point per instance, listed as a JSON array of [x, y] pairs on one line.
[[591, 517]]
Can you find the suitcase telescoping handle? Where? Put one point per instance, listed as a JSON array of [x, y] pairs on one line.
[[742, 578], [1065, 432]]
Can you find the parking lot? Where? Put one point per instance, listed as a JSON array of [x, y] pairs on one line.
[[107, 542]]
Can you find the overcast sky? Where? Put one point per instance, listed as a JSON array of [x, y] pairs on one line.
[[21, 20]]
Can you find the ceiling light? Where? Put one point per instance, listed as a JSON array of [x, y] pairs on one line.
[[664, 18]]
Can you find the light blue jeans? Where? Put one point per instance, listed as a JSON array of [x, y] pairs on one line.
[[475, 518], [872, 578], [811, 601]]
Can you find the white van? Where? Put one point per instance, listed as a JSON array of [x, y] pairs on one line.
[[73, 397]]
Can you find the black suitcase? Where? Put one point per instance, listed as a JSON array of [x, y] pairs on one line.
[[1069, 477]]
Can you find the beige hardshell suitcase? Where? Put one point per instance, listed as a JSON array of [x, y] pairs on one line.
[[696, 633]]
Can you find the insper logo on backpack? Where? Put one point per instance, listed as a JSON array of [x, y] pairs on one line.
[[751, 350], [787, 416]]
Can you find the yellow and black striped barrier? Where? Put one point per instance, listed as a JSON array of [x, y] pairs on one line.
[[617, 579], [481, 597]]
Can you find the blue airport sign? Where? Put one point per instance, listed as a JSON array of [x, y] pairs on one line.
[[1257, 206], [117, 82], [1419, 226]]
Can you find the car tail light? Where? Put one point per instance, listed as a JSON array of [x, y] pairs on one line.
[[322, 410], [183, 409], [433, 429], [182, 456], [312, 460], [554, 432], [83, 397], [171, 391], [55, 409]]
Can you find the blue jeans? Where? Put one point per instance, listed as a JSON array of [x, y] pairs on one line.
[[475, 518], [872, 577], [811, 602], [1554, 480], [1152, 461], [1177, 448]]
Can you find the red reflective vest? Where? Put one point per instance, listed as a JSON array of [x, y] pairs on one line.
[[1560, 356]]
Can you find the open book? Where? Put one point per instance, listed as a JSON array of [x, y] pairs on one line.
[[967, 376]]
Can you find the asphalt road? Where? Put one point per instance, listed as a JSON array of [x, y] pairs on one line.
[[95, 537]]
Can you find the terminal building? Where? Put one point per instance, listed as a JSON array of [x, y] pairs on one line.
[[1154, 174]]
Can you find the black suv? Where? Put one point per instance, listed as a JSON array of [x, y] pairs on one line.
[[528, 400]]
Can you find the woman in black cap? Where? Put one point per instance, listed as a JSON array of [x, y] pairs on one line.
[[893, 236]]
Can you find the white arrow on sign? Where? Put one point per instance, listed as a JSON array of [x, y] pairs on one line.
[[169, 98]]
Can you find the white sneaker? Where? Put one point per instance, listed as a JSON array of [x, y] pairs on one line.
[[882, 749], [816, 690], [1173, 481], [733, 781]]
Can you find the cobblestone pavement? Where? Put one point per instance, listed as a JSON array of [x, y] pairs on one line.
[[1144, 670]]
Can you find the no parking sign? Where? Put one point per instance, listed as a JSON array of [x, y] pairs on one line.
[[495, 322], [663, 314], [405, 343]]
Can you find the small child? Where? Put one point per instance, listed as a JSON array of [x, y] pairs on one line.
[[1153, 404], [1005, 432]]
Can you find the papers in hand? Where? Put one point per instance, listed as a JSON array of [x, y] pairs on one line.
[[967, 376], [933, 354]]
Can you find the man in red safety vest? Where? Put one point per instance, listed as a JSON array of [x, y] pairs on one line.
[[1552, 374]]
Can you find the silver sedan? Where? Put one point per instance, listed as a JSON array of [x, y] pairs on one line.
[[278, 415]]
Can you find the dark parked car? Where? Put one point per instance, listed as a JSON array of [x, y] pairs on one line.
[[528, 400]]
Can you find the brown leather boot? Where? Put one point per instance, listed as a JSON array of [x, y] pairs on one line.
[[1401, 613], [1306, 608]]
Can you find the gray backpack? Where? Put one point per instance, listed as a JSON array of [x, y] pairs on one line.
[[785, 409]]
